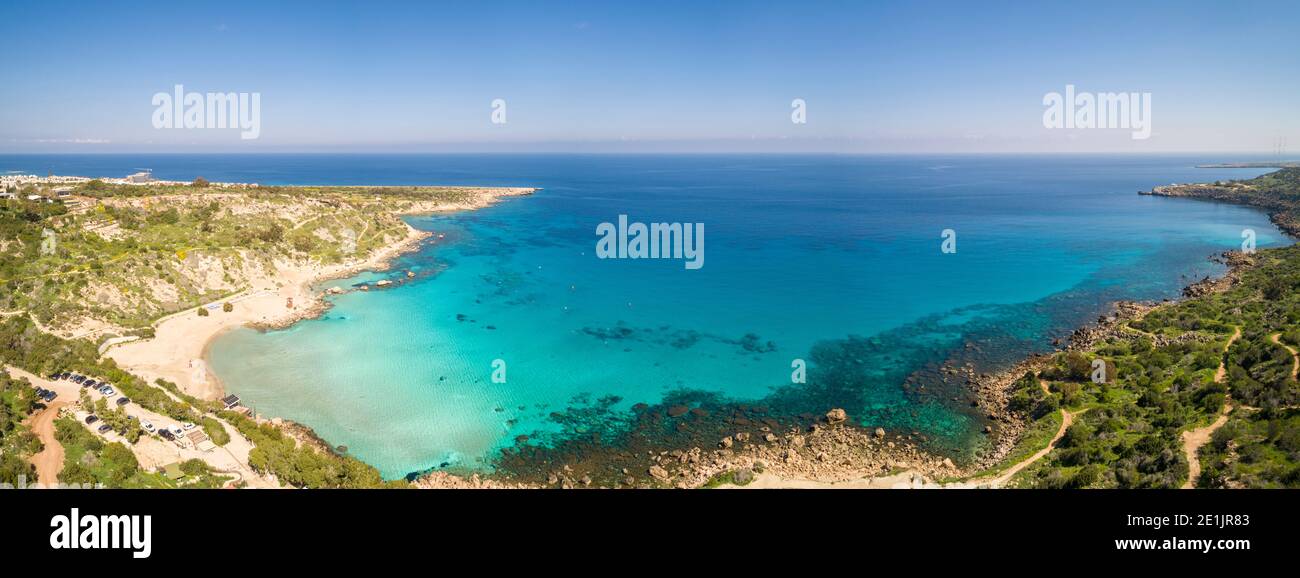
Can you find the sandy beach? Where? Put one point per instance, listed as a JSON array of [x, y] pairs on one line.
[[177, 352]]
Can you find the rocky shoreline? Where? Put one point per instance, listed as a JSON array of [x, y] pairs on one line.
[[831, 448], [1236, 193], [383, 259], [318, 305]]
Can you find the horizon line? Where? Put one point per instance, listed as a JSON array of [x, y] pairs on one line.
[[666, 153]]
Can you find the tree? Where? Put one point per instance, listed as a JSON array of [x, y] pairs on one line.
[[199, 182], [1077, 366], [227, 307]]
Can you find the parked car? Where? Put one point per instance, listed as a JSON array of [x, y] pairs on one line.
[[166, 434], [123, 400], [49, 396], [107, 390], [90, 383], [92, 418], [40, 391], [78, 378], [147, 425], [105, 428], [187, 426]]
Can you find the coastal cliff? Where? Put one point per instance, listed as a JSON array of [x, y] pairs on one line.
[[1275, 193]]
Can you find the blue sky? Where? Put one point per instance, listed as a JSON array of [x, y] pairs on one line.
[[649, 76]]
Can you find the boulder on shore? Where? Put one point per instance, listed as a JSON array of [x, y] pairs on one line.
[[836, 416], [658, 473]]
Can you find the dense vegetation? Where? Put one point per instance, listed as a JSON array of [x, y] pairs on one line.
[[17, 444], [1127, 431], [89, 460], [302, 466]]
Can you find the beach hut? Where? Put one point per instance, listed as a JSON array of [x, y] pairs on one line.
[[230, 401]]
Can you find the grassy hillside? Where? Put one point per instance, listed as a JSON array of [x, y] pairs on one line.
[[125, 255], [1128, 430]]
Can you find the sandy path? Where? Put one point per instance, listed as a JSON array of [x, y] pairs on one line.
[[1194, 439], [1295, 355], [49, 462], [770, 481], [1067, 419]]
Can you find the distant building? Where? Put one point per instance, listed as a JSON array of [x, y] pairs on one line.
[[62, 191], [230, 401], [140, 177]]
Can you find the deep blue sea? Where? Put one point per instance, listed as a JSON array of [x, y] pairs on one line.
[[834, 260]]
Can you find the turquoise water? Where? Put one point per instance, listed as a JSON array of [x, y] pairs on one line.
[[832, 259], [835, 260]]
